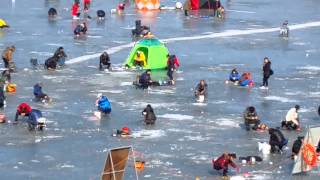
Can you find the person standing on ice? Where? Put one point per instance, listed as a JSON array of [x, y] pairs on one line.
[[86, 4], [104, 61], [223, 162], [149, 115], [171, 68], [292, 119], [277, 140], [7, 57], [216, 6], [75, 10], [267, 72]]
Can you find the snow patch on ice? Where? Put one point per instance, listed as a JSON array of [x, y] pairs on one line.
[[126, 84], [309, 68], [148, 134], [176, 116], [227, 122], [278, 98]]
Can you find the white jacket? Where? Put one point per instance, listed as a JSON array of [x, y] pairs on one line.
[[293, 116]]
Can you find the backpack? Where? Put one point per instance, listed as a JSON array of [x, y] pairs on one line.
[[271, 72]]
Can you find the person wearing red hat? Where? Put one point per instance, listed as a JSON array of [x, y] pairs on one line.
[[23, 110], [125, 131]]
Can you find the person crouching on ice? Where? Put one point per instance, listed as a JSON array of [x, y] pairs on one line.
[[224, 161], [36, 120], [38, 94], [103, 104], [234, 76], [22, 110], [149, 116], [201, 89]]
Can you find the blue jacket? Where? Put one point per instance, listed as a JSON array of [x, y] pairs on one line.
[[144, 78], [234, 77], [34, 115], [245, 82], [37, 90], [104, 104]]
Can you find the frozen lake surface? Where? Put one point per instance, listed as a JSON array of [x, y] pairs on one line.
[[187, 135]]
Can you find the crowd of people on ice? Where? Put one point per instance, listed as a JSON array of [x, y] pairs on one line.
[[252, 121]]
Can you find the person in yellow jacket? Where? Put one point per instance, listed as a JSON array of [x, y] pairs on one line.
[[3, 24], [140, 59], [7, 58]]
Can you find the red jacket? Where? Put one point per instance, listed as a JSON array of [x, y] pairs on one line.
[[222, 162], [176, 62], [24, 108], [75, 9]]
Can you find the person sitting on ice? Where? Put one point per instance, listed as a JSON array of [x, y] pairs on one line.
[[140, 59], [145, 79], [23, 110], [80, 29], [101, 14], [38, 94], [234, 75], [140, 30], [201, 89], [104, 61], [292, 119], [36, 120], [246, 79], [251, 118], [149, 115], [297, 146], [52, 12], [51, 63], [277, 140], [103, 104], [284, 29], [224, 161], [61, 56], [124, 132]]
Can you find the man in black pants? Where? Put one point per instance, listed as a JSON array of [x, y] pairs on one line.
[[277, 139], [267, 72]]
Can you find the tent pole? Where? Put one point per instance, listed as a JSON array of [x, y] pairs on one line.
[[134, 163], [113, 173]]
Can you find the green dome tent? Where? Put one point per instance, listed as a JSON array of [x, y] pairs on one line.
[[154, 51]]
